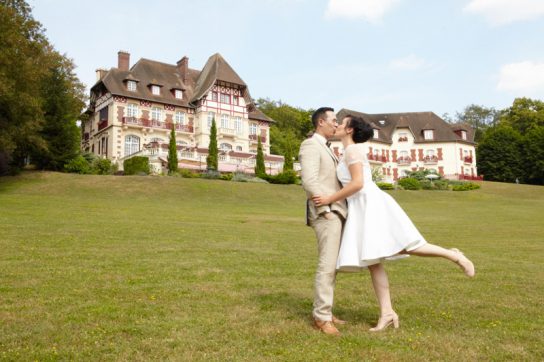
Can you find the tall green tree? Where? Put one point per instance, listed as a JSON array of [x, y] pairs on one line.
[[212, 161], [172, 152], [288, 160], [533, 155], [499, 155], [260, 169], [524, 114]]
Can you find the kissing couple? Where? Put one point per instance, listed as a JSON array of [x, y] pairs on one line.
[[357, 225]]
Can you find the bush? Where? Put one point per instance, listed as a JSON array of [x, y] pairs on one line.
[[211, 174], [187, 173], [288, 177], [102, 166], [385, 185], [421, 175], [78, 165], [137, 165], [466, 186], [226, 177], [409, 183], [240, 177]]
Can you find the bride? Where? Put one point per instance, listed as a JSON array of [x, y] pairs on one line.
[[376, 227]]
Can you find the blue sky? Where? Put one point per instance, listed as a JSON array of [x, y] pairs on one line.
[[373, 56]]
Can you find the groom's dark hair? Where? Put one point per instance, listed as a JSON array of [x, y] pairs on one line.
[[320, 113]]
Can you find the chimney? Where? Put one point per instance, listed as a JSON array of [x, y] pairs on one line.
[[100, 74], [123, 60], [183, 68]]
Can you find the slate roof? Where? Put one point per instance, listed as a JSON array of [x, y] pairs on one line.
[[415, 122]]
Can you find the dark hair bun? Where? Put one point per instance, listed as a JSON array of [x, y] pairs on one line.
[[362, 131]]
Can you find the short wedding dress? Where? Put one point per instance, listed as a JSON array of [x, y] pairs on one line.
[[376, 227]]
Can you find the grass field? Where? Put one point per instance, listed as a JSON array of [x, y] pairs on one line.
[[162, 268]]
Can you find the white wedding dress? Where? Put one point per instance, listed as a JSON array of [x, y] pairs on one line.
[[376, 227]]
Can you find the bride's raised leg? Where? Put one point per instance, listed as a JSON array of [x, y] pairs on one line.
[[380, 282], [451, 254]]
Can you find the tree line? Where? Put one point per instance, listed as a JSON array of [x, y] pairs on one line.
[[40, 96]]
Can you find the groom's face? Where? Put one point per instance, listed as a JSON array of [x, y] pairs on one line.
[[328, 124]]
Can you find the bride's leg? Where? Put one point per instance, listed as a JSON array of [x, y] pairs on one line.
[[380, 282], [451, 254]]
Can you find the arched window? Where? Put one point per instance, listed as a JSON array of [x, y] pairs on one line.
[[225, 147], [238, 148], [132, 144]]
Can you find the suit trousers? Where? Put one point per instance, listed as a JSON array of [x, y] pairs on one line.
[[329, 233]]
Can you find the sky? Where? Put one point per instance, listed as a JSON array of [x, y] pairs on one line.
[[372, 56]]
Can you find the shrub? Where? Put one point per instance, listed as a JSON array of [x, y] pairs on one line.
[[385, 185], [137, 165], [284, 178], [102, 166], [187, 173], [226, 177], [421, 175], [240, 177], [211, 174], [78, 165], [409, 183], [466, 186]]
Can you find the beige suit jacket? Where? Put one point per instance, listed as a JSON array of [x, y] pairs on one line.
[[318, 173]]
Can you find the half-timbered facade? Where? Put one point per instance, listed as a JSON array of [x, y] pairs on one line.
[[417, 141], [133, 109]]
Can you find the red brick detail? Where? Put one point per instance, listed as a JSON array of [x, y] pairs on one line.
[[439, 151], [169, 118], [395, 173], [413, 154], [145, 114], [420, 154], [441, 170], [394, 153]]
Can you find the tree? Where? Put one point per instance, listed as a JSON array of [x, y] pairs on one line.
[[260, 169], [479, 118], [500, 155], [533, 155], [213, 153], [524, 114], [172, 152], [288, 160]]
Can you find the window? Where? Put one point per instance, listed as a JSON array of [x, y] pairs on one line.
[[376, 133], [156, 113], [225, 98], [464, 135], [178, 94], [132, 144], [179, 118], [403, 137], [235, 100], [104, 114], [238, 148], [104, 146], [238, 124], [225, 147], [156, 90], [224, 121], [132, 110], [253, 129], [131, 85], [430, 153], [214, 96], [428, 134], [211, 116]]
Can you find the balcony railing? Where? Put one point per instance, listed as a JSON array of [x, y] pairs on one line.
[[404, 160], [430, 159], [255, 138], [471, 178], [226, 131], [152, 123], [102, 124], [468, 159], [379, 158]]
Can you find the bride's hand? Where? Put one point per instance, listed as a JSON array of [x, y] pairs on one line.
[[321, 200]]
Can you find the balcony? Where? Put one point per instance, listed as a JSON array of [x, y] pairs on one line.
[[255, 138], [102, 124], [404, 160], [229, 132], [471, 178], [152, 123], [467, 159], [430, 160], [376, 158]]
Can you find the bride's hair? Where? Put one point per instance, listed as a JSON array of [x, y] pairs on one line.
[[362, 131]]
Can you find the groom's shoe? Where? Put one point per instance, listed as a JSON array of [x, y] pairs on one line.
[[326, 327], [338, 321]]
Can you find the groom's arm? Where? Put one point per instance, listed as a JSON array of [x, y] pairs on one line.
[[310, 164]]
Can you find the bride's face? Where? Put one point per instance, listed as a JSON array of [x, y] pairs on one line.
[[343, 130]]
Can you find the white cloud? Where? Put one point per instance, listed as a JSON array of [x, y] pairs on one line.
[[525, 77], [410, 62], [369, 10], [500, 12]]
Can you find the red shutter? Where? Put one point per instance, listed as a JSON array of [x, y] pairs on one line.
[[420, 154], [395, 173], [439, 154], [394, 156], [413, 154]]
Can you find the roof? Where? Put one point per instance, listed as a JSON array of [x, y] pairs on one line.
[[416, 122]]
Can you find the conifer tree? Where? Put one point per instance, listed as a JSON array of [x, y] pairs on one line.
[[172, 152], [213, 153], [288, 159], [260, 169]]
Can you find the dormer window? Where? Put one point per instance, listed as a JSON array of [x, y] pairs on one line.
[[376, 133], [156, 90], [403, 137], [428, 134], [131, 85], [464, 135], [178, 93]]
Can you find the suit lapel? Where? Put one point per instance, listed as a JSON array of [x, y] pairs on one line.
[[329, 151]]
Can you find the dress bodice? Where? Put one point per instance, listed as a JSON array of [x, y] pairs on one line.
[[356, 154]]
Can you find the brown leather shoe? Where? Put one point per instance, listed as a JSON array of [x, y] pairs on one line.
[[326, 327], [338, 321]]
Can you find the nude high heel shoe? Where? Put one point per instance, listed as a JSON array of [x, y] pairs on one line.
[[385, 321], [464, 263]]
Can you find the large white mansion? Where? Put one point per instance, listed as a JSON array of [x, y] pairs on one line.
[[417, 141], [133, 109]]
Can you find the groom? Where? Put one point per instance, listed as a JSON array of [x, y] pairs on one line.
[[318, 173]]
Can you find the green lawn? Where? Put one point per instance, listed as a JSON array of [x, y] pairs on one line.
[[163, 268]]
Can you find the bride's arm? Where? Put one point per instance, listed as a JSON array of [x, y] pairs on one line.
[[354, 186]]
